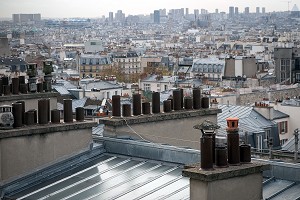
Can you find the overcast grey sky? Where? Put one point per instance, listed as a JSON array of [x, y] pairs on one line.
[[97, 8]]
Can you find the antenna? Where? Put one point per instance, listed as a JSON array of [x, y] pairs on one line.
[[288, 2]]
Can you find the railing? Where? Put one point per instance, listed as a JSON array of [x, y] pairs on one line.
[[278, 154]]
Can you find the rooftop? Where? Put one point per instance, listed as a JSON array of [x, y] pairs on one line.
[[145, 171]]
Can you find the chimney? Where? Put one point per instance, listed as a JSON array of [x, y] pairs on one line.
[[79, 111], [264, 109], [196, 98], [17, 113], [167, 106], [55, 116], [146, 108], [205, 102], [177, 99], [43, 111], [39, 87], [126, 108], [223, 182], [1, 87], [136, 103], [116, 106], [233, 141], [155, 102], [68, 112]]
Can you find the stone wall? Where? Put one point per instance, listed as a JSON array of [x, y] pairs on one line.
[[175, 128], [251, 98], [245, 99]]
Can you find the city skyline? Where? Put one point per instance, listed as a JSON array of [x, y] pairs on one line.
[[98, 8]]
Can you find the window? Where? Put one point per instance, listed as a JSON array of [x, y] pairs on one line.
[[284, 64], [283, 127], [259, 143], [282, 76], [146, 87], [297, 77]]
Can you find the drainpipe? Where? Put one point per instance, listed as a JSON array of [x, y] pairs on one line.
[[296, 133]]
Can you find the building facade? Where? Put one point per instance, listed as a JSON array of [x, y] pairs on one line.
[[287, 65], [129, 62], [242, 66], [90, 65], [213, 69], [93, 46], [26, 18]]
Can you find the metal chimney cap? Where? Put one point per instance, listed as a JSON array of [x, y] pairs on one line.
[[206, 125]]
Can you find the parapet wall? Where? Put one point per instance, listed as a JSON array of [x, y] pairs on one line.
[[25, 150], [31, 100], [173, 128]]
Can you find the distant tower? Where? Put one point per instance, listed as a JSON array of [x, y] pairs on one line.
[[156, 16], [110, 16], [257, 10], [196, 13], [16, 18], [263, 10], [236, 11], [217, 11], [181, 12], [231, 12], [163, 12], [187, 11], [247, 11]]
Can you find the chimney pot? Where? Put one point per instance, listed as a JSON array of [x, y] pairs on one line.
[[232, 124]]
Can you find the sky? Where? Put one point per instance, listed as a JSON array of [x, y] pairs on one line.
[[97, 8]]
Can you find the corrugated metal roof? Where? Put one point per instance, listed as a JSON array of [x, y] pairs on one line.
[[65, 83], [78, 103], [117, 177], [75, 104], [290, 145], [281, 189], [61, 90], [243, 128], [248, 117], [102, 85], [98, 130]]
